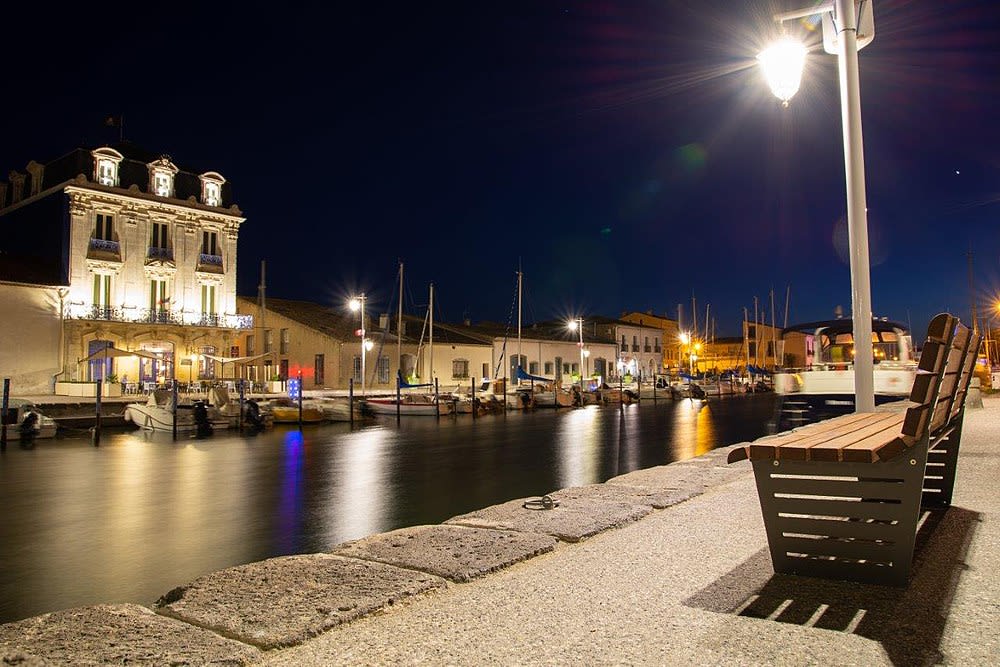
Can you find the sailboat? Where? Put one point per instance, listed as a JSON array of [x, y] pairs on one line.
[[411, 403]]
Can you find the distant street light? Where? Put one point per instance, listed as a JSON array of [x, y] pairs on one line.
[[577, 325], [845, 30], [358, 303]]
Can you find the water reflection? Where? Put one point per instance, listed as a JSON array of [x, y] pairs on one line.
[[579, 453], [141, 514]]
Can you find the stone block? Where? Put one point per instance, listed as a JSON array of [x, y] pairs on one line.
[[572, 520], [635, 495], [120, 634], [457, 553], [284, 601]]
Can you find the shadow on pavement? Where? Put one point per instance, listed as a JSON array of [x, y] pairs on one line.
[[908, 622]]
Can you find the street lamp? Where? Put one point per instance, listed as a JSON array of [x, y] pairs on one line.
[[845, 30], [577, 325], [358, 303]]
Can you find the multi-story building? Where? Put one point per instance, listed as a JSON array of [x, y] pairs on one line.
[[640, 350], [672, 350], [141, 255]]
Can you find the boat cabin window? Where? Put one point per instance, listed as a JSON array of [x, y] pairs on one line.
[[839, 348]]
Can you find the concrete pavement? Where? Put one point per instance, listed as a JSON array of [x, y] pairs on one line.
[[665, 566]]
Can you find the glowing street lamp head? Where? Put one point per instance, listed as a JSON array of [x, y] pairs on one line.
[[685, 338], [782, 63], [571, 325], [369, 344]]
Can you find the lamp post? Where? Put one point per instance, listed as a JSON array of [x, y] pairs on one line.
[[358, 303], [845, 30], [577, 324]]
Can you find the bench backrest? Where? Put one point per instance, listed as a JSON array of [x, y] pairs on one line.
[[942, 380]]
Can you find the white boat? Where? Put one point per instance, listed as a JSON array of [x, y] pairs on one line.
[[825, 386], [38, 425], [339, 409], [229, 408], [409, 404], [157, 414]]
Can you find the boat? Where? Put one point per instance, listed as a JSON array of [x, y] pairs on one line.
[[157, 414], [257, 415], [824, 387], [410, 404], [25, 420], [286, 411], [339, 409]]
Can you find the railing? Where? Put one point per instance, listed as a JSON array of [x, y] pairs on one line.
[[80, 311], [104, 245], [635, 347], [213, 260], [648, 349], [160, 253]]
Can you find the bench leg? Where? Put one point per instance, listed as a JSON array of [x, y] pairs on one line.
[[853, 521], [942, 461]]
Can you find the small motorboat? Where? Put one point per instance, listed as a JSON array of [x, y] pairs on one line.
[[157, 414], [25, 421], [410, 404]]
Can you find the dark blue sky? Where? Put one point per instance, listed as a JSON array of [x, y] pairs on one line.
[[627, 154]]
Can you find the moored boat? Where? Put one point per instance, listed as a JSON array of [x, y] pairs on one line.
[[157, 414], [26, 421], [409, 404], [286, 411]]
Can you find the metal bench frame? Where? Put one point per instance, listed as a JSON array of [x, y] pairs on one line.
[[858, 520]]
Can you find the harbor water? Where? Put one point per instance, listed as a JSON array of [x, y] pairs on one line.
[[142, 514]]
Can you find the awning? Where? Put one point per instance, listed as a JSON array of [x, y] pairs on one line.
[[521, 375], [227, 360], [113, 353]]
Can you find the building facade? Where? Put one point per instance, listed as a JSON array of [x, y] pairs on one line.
[[143, 254]]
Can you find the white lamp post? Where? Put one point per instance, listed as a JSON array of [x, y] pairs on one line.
[[577, 324], [358, 303], [845, 30]]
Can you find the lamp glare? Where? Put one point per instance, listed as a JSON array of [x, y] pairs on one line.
[[782, 63]]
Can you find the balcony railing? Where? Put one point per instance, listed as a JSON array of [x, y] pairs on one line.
[[80, 311], [648, 349], [213, 260], [166, 254], [103, 245]]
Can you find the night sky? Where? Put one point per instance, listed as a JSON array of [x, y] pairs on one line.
[[626, 154]]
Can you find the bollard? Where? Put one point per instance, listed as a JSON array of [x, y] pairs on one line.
[[300, 400], [399, 397], [472, 397], [437, 403], [3, 414], [97, 422], [350, 399], [173, 390]]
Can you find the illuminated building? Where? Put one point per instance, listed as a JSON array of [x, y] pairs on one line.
[[131, 252]]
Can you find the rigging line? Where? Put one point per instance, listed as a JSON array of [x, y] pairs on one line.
[[506, 333]]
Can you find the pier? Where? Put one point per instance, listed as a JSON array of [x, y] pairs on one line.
[[666, 565]]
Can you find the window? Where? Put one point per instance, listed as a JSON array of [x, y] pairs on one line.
[[357, 369], [770, 348], [211, 188], [104, 227], [656, 344], [486, 370], [159, 236], [283, 369], [161, 177], [210, 243], [548, 368], [251, 345], [752, 349], [533, 368], [106, 161], [635, 343], [574, 369], [158, 299], [212, 197], [319, 369], [268, 341], [206, 367], [283, 343], [208, 302], [382, 368], [459, 368], [624, 344], [102, 296]]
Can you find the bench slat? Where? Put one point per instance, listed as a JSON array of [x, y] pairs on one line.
[[797, 442], [870, 438], [833, 527], [839, 508]]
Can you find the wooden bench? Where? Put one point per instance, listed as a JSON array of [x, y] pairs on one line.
[[842, 498]]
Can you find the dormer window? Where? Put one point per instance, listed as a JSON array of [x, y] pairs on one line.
[[161, 177], [211, 188], [106, 161]]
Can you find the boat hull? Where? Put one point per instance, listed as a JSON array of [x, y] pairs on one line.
[[387, 406]]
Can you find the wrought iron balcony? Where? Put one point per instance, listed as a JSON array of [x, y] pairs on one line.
[[164, 254], [80, 311], [214, 260], [103, 245]]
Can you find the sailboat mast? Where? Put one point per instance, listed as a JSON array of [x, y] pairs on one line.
[[430, 347], [519, 277], [263, 307], [399, 325], [774, 341]]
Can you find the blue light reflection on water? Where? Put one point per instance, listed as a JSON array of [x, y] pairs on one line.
[[134, 518]]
